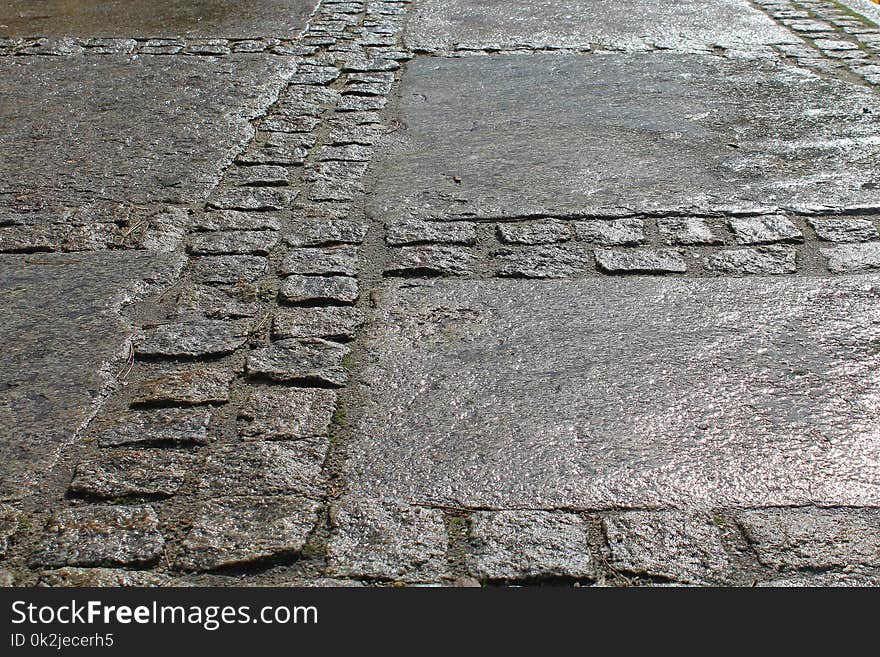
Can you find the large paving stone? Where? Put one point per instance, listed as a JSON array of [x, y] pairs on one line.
[[628, 24], [621, 393], [166, 139], [648, 131], [61, 327], [157, 18]]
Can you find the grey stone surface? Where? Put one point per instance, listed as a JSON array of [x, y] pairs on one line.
[[844, 229], [220, 220], [506, 394], [165, 140], [187, 386], [431, 260], [101, 577], [641, 261], [286, 414], [206, 337], [374, 539], [62, 329], [543, 262], [238, 530], [814, 538], [830, 579], [594, 143], [9, 522], [330, 261], [158, 18], [765, 230], [253, 199], [130, 472], [234, 242], [853, 257], [511, 545], [331, 323], [629, 24], [101, 536], [760, 260], [264, 468], [687, 231], [616, 232], [319, 289], [414, 231], [160, 427], [534, 233], [683, 547], [320, 232], [301, 360], [228, 269]]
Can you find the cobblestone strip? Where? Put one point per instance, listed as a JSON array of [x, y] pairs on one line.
[[767, 244], [208, 462], [835, 37], [71, 46]]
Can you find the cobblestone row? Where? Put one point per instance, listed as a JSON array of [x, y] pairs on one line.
[[631, 244], [210, 456], [69, 46], [834, 36]]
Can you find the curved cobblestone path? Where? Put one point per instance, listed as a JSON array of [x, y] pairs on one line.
[[440, 292]]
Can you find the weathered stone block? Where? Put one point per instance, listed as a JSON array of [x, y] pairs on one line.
[[287, 414]]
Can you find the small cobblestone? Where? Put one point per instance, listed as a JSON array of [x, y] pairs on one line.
[[761, 260], [234, 242], [102, 536], [226, 220], [333, 261], [287, 414], [687, 231], [331, 323], [319, 289], [228, 270], [765, 230], [534, 233], [853, 258], [513, 545], [192, 386], [844, 230], [416, 231], [260, 175], [542, 262], [642, 261], [253, 198], [127, 472], [617, 232], [301, 360], [207, 337], [179, 427], [101, 577], [322, 232], [432, 260]]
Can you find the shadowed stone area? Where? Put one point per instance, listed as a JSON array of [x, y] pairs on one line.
[[156, 18], [61, 315], [638, 131], [131, 130], [628, 24], [610, 393]]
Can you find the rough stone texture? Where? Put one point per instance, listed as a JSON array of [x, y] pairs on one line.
[[631, 25], [331, 323], [761, 260], [233, 242], [853, 257], [594, 143], [101, 536], [511, 545], [543, 262], [239, 530], [253, 198], [205, 337], [431, 261], [120, 473], [687, 231], [543, 232], [679, 546], [642, 261], [508, 394], [101, 577], [617, 232], [319, 289], [836, 580], [62, 334], [174, 127], [765, 230], [9, 519], [221, 220], [388, 541], [415, 231], [228, 269], [161, 427], [333, 261], [287, 413], [814, 538], [158, 18], [844, 229], [191, 386], [292, 467], [301, 360]]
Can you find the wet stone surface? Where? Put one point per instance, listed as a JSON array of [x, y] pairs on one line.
[[761, 260], [301, 360], [160, 427], [122, 473]]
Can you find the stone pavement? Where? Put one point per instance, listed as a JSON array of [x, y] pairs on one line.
[[440, 292]]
